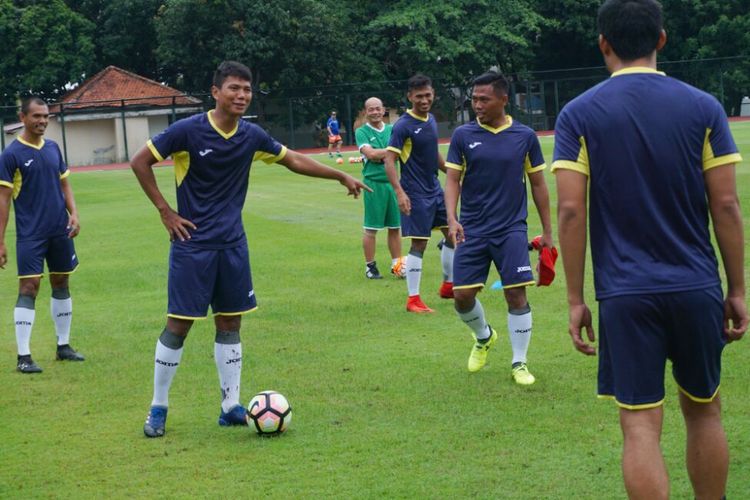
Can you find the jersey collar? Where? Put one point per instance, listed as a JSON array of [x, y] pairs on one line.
[[376, 129], [498, 129], [417, 117], [637, 70], [218, 130], [40, 146]]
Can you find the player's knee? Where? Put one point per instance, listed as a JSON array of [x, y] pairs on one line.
[[29, 287], [228, 323], [171, 339], [61, 293], [463, 302], [59, 280], [179, 327], [418, 247], [25, 301]]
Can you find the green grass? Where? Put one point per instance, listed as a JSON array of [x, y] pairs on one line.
[[383, 404]]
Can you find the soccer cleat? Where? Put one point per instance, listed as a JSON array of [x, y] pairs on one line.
[[156, 420], [371, 272], [446, 290], [65, 352], [414, 304], [399, 268], [237, 415], [27, 365], [521, 374], [478, 356]]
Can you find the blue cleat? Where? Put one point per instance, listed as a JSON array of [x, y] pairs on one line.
[[155, 422], [235, 416]]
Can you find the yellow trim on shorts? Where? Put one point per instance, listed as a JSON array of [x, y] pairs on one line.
[[189, 318], [697, 399], [645, 406], [473, 285], [516, 285], [236, 313], [415, 237], [31, 276], [65, 272], [605, 396]]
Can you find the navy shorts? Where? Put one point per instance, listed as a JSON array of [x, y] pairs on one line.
[[199, 277], [509, 252], [58, 251], [638, 333], [426, 215]]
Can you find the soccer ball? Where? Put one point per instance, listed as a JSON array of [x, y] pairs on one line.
[[340, 161], [399, 268], [270, 412]]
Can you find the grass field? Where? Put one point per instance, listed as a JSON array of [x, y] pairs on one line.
[[383, 404]]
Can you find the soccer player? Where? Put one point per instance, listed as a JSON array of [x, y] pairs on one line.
[[334, 135], [208, 260], [486, 159], [414, 141], [381, 207], [652, 157], [33, 173]]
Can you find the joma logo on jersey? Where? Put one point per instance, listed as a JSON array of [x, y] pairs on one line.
[[166, 363], [418, 130], [523, 268], [23, 323], [28, 162], [474, 144], [205, 152]]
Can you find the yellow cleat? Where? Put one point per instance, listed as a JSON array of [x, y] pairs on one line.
[[521, 375], [478, 356]]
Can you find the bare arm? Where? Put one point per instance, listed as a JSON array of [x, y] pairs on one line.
[[5, 194], [404, 203], [452, 193], [142, 165], [373, 154], [571, 227], [304, 165], [441, 164], [540, 194], [74, 226], [721, 189]]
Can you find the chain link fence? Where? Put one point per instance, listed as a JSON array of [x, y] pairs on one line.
[[111, 131]]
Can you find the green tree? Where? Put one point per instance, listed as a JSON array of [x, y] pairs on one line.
[[9, 74]]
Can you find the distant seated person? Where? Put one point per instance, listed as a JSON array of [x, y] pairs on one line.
[[334, 137]]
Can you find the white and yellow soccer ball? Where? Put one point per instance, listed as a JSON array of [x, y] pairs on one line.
[[399, 268], [270, 413]]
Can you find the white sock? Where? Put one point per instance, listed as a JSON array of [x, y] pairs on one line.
[[519, 331], [475, 320], [413, 273], [24, 319], [228, 357], [166, 361], [62, 316], [446, 259]]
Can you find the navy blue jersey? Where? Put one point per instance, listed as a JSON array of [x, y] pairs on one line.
[[415, 140], [212, 173], [494, 162], [645, 140], [34, 174]]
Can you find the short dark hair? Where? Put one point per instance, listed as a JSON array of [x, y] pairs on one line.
[[498, 81], [231, 68], [418, 81], [26, 102], [631, 27]]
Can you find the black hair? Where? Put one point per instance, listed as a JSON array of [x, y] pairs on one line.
[[498, 81], [26, 102], [418, 81], [631, 27], [231, 68]]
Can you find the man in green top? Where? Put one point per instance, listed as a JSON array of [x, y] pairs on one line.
[[381, 207]]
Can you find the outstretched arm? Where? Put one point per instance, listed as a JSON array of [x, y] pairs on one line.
[[540, 194], [304, 165], [142, 165], [721, 189]]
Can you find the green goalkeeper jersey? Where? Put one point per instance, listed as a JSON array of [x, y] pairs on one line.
[[367, 135]]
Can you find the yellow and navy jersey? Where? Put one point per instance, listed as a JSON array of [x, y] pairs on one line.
[[494, 163], [34, 174], [212, 173], [415, 140], [645, 140]]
